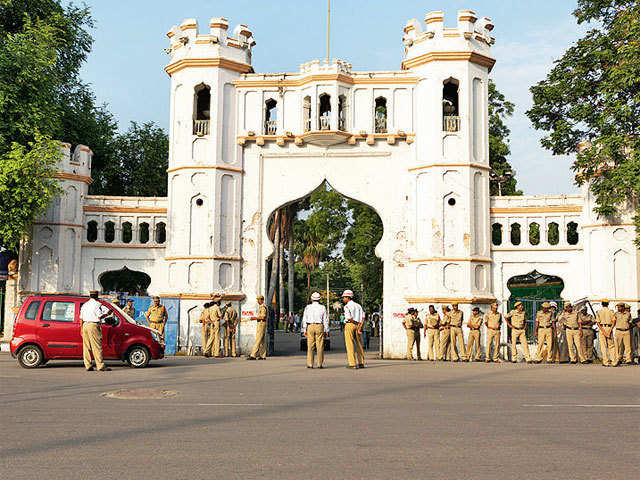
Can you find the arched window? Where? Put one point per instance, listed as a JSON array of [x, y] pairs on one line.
[[161, 233], [306, 113], [515, 234], [270, 117], [342, 113], [324, 113], [201, 110], [572, 233], [109, 232], [92, 231], [534, 233], [496, 234], [381, 115], [450, 113], [553, 234], [127, 232], [143, 235]]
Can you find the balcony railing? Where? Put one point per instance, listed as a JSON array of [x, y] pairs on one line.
[[270, 127], [381, 125], [325, 122], [450, 123], [201, 127]]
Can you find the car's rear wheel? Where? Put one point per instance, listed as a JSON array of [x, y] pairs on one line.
[[138, 357], [30, 356]]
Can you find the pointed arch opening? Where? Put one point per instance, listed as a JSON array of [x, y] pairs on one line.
[[201, 109], [450, 105]]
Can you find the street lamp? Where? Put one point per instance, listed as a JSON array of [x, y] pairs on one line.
[[500, 179]]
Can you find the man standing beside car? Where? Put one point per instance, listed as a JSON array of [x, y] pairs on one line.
[[91, 315], [157, 316]]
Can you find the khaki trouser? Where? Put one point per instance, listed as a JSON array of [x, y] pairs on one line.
[[206, 346], [413, 337], [260, 347], [545, 338], [474, 339], [587, 343], [456, 334], [315, 342], [210, 340], [573, 340], [158, 326], [229, 342], [352, 342], [92, 344], [433, 343], [519, 334], [445, 345], [623, 344], [493, 339], [607, 350]]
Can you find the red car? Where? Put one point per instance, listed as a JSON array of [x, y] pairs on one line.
[[47, 328]]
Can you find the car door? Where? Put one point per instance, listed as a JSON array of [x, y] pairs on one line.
[[111, 334], [59, 329]]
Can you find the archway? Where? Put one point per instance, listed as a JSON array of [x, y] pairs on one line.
[[126, 281], [324, 242]]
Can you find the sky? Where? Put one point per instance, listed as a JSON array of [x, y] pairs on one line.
[[125, 67]]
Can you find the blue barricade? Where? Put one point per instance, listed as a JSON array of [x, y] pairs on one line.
[[142, 304]]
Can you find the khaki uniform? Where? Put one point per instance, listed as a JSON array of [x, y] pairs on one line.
[[623, 337], [586, 320], [92, 344], [545, 335], [157, 318], [230, 325], [518, 332], [474, 324], [129, 310], [433, 335], [457, 335], [572, 333], [204, 320], [605, 320], [213, 341], [560, 352], [412, 325], [445, 338], [260, 346], [493, 322]]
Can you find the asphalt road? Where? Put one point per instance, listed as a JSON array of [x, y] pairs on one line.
[[234, 419]]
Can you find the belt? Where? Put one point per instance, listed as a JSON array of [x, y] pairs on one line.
[[605, 324], [445, 328], [432, 328], [474, 328], [623, 329], [261, 320], [545, 327], [518, 328], [314, 323], [491, 328], [456, 326], [572, 328], [351, 321]]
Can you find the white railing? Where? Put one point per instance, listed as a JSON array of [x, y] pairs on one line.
[[450, 123], [201, 127], [325, 122], [381, 125], [270, 127], [307, 125]]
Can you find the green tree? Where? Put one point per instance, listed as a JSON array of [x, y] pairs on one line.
[[499, 109], [27, 187], [590, 103]]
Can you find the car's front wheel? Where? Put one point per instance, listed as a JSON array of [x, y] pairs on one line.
[[30, 356], [138, 357]]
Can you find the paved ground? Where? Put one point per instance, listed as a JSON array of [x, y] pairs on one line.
[[233, 419]]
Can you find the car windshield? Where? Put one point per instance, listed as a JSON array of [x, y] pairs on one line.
[[121, 312]]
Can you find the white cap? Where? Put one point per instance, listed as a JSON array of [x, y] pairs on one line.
[[315, 296], [347, 293]]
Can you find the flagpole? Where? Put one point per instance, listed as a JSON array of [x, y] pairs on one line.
[[328, 26]]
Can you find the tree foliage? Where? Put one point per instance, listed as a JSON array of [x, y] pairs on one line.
[[590, 103]]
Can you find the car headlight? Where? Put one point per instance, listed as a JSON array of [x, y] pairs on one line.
[[157, 338]]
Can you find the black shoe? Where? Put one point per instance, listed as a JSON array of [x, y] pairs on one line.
[[105, 369], [320, 366], [586, 362], [309, 366], [251, 358], [351, 368], [573, 363], [90, 369], [262, 358], [361, 365]]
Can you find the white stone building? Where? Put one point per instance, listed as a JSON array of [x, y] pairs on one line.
[[411, 143]]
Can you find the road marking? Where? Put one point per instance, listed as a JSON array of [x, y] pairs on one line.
[[231, 404], [543, 405]]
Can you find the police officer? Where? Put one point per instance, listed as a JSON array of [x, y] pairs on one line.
[[412, 325], [605, 321], [445, 335], [129, 309], [260, 346], [493, 321], [204, 321], [431, 332], [353, 320], [587, 322], [315, 324], [92, 313], [545, 330], [214, 318], [474, 323], [157, 316], [455, 321], [230, 326], [516, 320], [622, 323], [573, 333]]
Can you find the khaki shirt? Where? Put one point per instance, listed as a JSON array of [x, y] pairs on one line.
[[456, 318], [569, 319], [475, 321], [157, 314], [605, 316], [518, 319], [586, 319], [262, 312], [544, 319], [214, 313], [230, 317], [204, 316], [446, 320], [410, 321], [493, 319], [622, 320], [431, 320]]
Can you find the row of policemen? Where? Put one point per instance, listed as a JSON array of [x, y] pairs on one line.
[[214, 320], [568, 336]]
